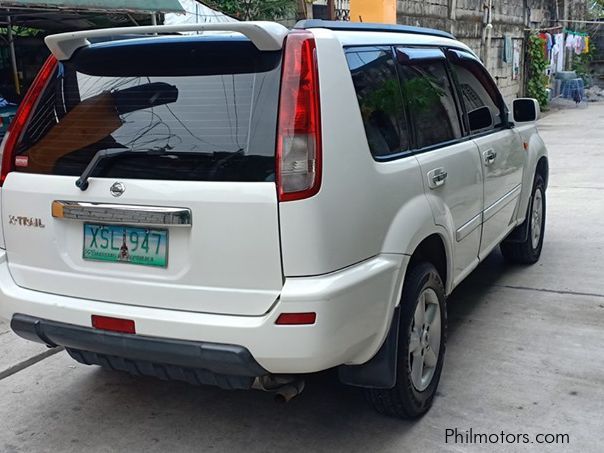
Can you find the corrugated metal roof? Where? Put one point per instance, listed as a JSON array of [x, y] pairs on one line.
[[133, 6]]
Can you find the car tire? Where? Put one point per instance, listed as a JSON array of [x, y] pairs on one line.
[[529, 250], [413, 392]]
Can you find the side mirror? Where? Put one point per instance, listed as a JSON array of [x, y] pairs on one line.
[[525, 110], [480, 118]]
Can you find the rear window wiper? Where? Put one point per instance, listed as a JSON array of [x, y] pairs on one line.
[[82, 182]]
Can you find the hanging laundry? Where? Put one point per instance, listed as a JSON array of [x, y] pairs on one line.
[[577, 41], [557, 54], [579, 45], [548, 44], [560, 60]]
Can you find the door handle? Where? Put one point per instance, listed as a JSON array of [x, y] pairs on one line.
[[437, 177], [489, 156]]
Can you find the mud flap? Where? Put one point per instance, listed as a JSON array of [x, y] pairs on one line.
[[380, 371], [521, 232]]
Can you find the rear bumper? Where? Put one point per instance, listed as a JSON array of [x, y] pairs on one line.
[[228, 366], [353, 306]]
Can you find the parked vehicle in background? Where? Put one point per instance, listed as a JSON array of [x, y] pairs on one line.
[[7, 112], [242, 209]]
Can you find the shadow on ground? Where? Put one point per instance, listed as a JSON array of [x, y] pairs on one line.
[[327, 415]]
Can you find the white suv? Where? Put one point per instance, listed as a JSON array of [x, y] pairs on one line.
[[247, 205]]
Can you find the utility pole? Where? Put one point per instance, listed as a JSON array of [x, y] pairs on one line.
[[568, 55], [304, 9], [13, 56], [489, 31], [331, 9]]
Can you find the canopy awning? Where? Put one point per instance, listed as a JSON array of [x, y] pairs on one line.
[[107, 6], [66, 15], [52, 16]]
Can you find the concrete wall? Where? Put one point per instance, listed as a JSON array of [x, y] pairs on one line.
[[597, 65], [466, 19]]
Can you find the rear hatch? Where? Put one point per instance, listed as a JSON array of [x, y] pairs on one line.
[[181, 212]]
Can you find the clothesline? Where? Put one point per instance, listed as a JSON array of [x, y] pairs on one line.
[[599, 22], [576, 33], [557, 27]]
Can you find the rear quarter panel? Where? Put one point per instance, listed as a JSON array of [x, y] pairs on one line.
[[364, 207]]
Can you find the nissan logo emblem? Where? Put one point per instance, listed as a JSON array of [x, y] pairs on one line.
[[117, 189]]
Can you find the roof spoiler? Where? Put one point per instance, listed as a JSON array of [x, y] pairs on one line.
[[266, 36]]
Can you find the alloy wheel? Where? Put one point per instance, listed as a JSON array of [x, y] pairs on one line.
[[424, 340]]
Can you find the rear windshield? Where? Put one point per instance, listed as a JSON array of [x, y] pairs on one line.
[[184, 109]]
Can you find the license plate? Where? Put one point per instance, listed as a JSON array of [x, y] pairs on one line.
[[124, 244]]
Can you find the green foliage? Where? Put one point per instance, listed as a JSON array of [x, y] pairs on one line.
[[595, 9], [21, 32], [537, 80], [385, 98], [255, 9], [422, 93], [581, 62]]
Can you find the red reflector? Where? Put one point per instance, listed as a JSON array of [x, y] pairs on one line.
[[113, 324], [21, 161], [296, 318]]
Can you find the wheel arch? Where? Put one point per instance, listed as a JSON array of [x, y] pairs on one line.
[[537, 163], [414, 232], [380, 370], [433, 250], [542, 169]]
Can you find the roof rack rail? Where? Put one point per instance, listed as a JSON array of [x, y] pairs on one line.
[[365, 26]]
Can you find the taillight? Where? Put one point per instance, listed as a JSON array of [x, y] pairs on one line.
[[17, 125], [299, 124]]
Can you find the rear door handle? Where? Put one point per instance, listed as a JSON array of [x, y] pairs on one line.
[[437, 177], [489, 156]]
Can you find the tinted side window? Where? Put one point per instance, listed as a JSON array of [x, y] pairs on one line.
[[378, 92], [477, 89], [427, 90]]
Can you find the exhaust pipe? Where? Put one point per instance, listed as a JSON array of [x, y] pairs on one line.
[[285, 387], [288, 392]]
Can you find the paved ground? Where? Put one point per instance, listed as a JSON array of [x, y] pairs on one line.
[[525, 355]]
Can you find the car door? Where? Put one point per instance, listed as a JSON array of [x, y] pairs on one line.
[[450, 165], [500, 147]]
